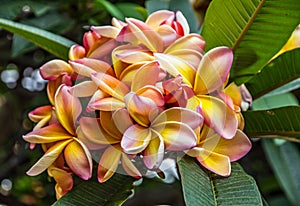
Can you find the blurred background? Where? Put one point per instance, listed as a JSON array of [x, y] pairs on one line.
[[22, 89]]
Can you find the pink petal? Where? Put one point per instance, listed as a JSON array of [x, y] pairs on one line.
[[135, 139], [106, 104], [145, 34], [139, 108], [108, 163], [79, 159], [67, 108], [84, 89], [180, 115], [154, 153], [48, 158], [234, 148], [157, 18], [87, 66], [218, 116], [213, 70], [177, 136], [217, 163], [47, 134], [76, 52], [106, 31], [141, 77], [55, 68], [133, 56], [94, 132], [108, 124], [191, 41], [122, 120], [175, 66], [129, 167], [110, 85]]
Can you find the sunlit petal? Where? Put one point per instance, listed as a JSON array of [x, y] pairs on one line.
[[54, 68], [93, 131], [176, 135], [234, 148], [48, 158], [87, 66], [76, 52], [135, 139], [129, 167], [84, 89], [178, 114], [41, 113], [154, 153], [47, 134], [152, 93], [217, 163], [190, 41], [167, 34], [53, 86], [139, 108], [89, 143], [108, 124], [122, 119], [157, 18], [107, 31], [145, 34], [110, 85], [218, 116], [176, 66], [108, 163], [141, 77], [133, 56], [213, 70], [193, 57], [79, 159], [67, 108], [106, 104]]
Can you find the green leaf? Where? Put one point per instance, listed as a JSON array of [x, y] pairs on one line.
[[275, 101], [255, 30], [205, 188], [132, 10], [113, 192], [50, 22], [155, 5], [274, 123], [112, 9], [284, 160], [175, 5], [277, 73], [54, 44]]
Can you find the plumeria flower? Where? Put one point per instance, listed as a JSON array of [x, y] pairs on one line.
[[105, 132], [62, 176], [60, 137], [215, 153]]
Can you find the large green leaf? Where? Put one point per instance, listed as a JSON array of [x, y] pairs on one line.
[[275, 101], [113, 192], [254, 29], [111, 8], [274, 123], [201, 187], [282, 70], [284, 160], [54, 44]]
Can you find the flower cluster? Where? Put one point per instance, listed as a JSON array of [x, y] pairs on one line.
[[134, 93]]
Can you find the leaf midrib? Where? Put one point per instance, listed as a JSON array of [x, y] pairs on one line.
[[247, 27]]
